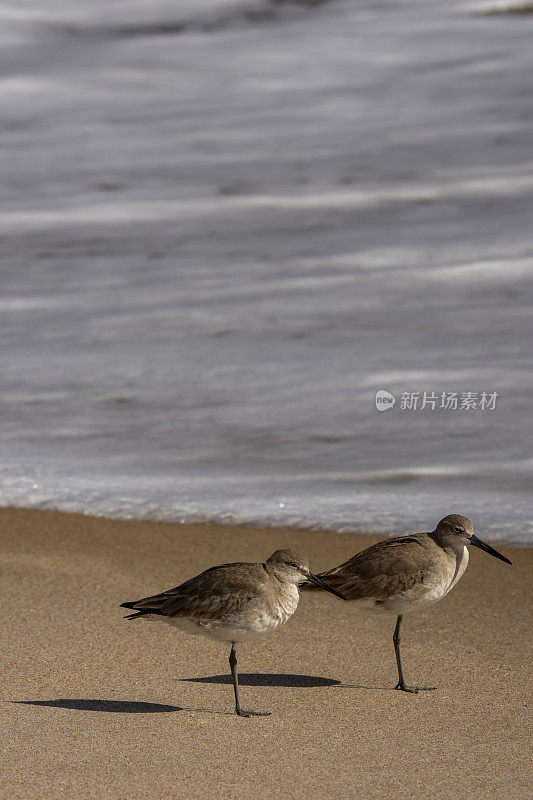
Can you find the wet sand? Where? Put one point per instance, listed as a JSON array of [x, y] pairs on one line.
[[93, 706]]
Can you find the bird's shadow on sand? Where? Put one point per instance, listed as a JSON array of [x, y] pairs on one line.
[[142, 707], [111, 706], [117, 706], [267, 679]]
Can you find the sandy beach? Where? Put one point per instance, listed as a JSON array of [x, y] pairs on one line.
[[96, 707]]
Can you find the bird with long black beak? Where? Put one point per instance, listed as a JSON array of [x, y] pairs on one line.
[[408, 573], [234, 603]]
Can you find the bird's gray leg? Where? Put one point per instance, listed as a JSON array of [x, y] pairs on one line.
[[396, 639], [401, 681], [238, 710]]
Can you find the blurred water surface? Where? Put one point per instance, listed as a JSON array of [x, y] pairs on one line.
[[225, 225]]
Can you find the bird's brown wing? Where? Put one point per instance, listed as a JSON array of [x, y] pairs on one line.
[[383, 570], [218, 592]]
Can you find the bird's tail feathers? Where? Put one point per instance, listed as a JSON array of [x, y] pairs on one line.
[[138, 612]]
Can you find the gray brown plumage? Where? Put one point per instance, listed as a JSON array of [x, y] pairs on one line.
[[388, 568], [233, 602], [408, 573], [218, 593]]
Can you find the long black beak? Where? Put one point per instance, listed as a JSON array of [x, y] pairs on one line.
[[487, 548], [314, 579]]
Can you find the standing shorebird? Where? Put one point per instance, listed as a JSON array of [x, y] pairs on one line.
[[234, 603], [408, 573]]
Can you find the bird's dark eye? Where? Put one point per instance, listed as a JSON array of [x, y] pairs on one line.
[[457, 529], [294, 565]]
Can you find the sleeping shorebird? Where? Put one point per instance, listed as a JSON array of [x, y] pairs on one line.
[[233, 603], [408, 573]]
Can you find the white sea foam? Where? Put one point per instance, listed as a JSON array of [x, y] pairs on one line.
[[226, 224]]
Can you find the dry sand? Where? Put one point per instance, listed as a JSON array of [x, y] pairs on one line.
[[97, 707]]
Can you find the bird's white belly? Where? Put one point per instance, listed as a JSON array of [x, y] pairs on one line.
[[407, 604], [400, 603]]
